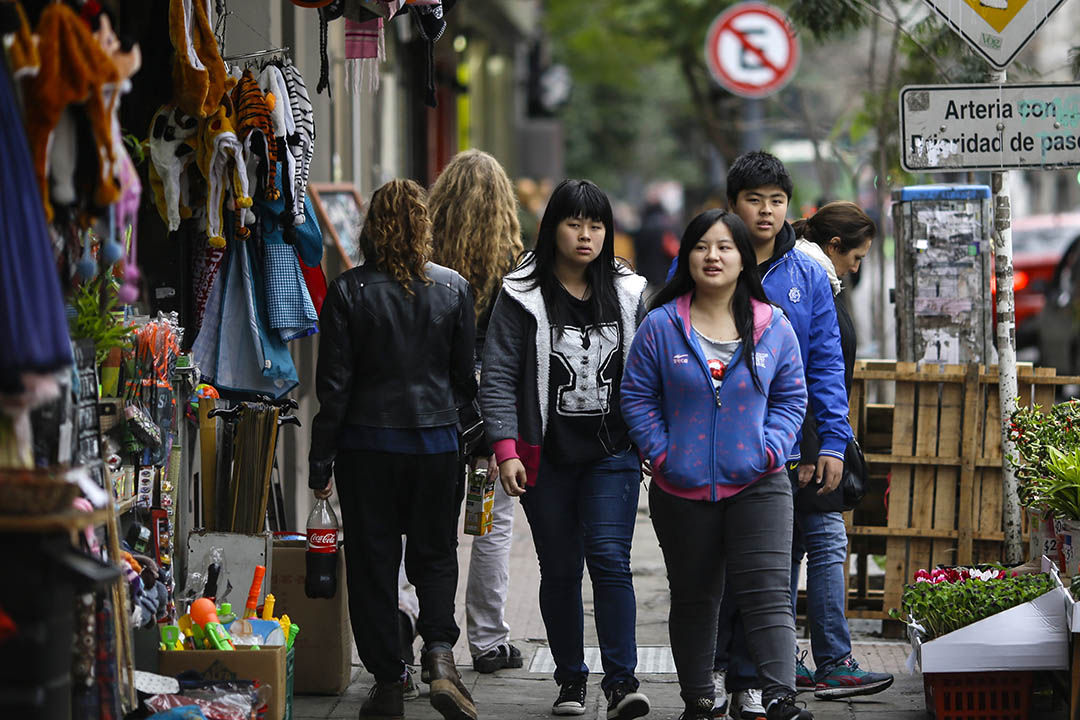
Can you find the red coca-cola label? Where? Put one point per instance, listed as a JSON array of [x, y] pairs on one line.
[[322, 540]]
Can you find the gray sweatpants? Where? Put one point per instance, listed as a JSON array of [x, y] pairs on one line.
[[749, 536]]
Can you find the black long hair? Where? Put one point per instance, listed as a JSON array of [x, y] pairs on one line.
[[747, 287], [576, 199]]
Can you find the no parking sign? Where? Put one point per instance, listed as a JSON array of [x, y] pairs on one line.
[[751, 50]]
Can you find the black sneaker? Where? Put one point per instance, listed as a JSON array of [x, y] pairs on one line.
[[625, 702], [571, 700], [700, 709], [786, 709], [498, 658]]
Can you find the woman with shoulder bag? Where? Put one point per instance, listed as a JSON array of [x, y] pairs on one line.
[[475, 230], [838, 236], [395, 365]]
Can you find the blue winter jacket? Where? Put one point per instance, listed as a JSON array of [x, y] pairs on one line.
[[795, 282], [706, 443]]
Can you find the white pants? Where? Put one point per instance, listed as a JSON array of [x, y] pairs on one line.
[[489, 578]]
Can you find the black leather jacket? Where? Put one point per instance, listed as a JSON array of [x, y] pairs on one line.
[[389, 359]]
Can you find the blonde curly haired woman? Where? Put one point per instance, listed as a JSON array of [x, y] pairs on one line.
[[395, 364], [475, 230]]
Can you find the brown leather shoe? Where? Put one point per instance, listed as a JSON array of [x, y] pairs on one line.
[[448, 694], [386, 701]]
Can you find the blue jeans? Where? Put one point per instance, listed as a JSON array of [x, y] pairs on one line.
[[822, 537], [578, 514]]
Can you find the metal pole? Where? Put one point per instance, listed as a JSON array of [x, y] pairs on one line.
[[1006, 346]]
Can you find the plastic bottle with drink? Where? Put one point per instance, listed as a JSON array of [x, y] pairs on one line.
[[322, 549]]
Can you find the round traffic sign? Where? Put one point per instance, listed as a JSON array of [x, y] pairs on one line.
[[751, 50]]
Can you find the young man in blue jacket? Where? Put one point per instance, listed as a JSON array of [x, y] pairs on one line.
[[758, 190]]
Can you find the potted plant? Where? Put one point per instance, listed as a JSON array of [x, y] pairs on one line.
[[1047, 466]]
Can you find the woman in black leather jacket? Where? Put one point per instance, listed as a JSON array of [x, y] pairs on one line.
[[395, 364]]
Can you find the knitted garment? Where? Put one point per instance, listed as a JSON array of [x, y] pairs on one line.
[[172, 148], [302, 142], [220, 159], [364, 49], [73, 70]]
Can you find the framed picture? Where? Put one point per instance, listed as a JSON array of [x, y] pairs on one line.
[[341, 215]]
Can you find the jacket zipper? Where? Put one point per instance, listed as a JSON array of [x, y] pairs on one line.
[[716, 410]]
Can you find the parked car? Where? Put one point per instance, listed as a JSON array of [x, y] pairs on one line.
[[1039, 242], [1059, 321]]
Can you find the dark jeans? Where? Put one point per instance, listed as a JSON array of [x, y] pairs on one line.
[[578, 514], [744, 542], [384, 496]]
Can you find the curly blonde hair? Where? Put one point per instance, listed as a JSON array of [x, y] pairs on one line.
[[397, 232], [474, 220]]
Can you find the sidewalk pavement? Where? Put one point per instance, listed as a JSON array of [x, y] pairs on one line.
[[529, 692]]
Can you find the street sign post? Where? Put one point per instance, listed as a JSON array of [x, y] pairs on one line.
[[996, 29], [751, 49], [948, 128]]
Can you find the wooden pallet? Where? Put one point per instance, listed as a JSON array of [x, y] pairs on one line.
[[941, 469]]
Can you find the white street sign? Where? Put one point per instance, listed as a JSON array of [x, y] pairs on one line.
[[996, 29], [945, 128], [751, 49]]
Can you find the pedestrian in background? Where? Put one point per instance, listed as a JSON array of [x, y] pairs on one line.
[[549, 394], [395, 364], [714, 394], [838, 236], [475, 231]]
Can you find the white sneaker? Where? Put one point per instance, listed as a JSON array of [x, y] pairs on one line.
[[721, 701], [746, 705]]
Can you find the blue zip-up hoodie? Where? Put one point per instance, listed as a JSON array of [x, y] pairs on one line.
[[706, 443], [794, 281]]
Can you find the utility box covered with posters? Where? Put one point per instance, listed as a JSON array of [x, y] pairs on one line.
[[944, 268], [323, 646]]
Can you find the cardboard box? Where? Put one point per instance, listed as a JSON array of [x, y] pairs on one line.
[[479, 502], [1032, 636], [323, 647], [266, 665]]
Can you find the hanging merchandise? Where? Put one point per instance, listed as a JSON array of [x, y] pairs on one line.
[[200, 79], [33, 329], [365, 49], [236, 349], [302, 141], [172, 150], [255, 130], [74, 69], [220, 159]]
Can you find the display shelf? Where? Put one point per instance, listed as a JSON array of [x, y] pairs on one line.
[[55, 522], [123, 506]]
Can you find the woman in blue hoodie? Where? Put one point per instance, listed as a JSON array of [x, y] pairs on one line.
[[713, 394]]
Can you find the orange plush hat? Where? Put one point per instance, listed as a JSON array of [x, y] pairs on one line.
[[73, 70], [200, 78]]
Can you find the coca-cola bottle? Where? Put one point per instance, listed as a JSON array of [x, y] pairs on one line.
[[322, 542]]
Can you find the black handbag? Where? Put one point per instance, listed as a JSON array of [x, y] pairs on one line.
[[470, 428], [847, 495], [854, 484]]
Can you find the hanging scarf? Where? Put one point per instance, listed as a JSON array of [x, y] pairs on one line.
[[364, 49]]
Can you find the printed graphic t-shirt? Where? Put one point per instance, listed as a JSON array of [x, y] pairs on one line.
[[584, 420], [718, 354]]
